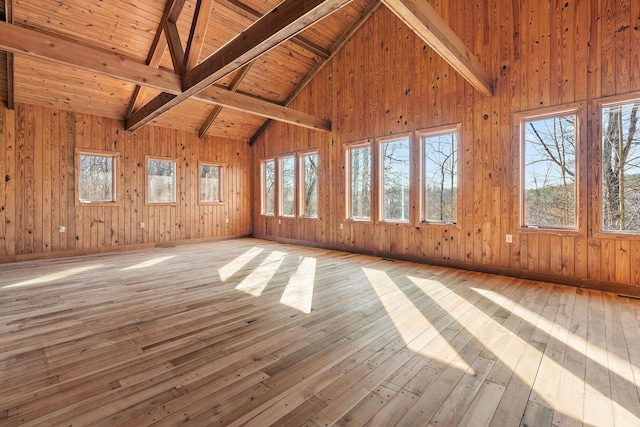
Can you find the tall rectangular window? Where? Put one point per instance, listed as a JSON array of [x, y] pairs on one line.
[[440, 175], [548, 167], [359, 181], [268, 178], [394, 181], [96, 178], [621, 168], [161, 181], [287, 180], [309, 185], [210, 183]]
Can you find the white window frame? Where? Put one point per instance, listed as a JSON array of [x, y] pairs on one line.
[[349, 208], [302, 184], [381, 180]]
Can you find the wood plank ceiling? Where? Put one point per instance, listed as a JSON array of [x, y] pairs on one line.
[[256, 55]]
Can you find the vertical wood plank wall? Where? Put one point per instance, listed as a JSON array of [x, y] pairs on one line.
[[38, 194], [385, 81]]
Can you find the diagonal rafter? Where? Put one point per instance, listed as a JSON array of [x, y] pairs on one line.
[[420, 16], [250, 13], [371, 7], [158, 48], [201, 18], [218, 108], [282, 23], [60, 50], [8, 18]]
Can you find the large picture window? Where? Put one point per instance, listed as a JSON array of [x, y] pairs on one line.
[[96, 177], [439, 175], [268, 187], [287, 181], [620, 167], [359, 181], [395, 178], [210, 183], [548, 167], [161, 180], [309, 185]]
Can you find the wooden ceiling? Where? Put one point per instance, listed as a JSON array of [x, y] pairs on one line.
[[225, 66]]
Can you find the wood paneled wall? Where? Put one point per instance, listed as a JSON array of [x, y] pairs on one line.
[[38, 194], [385, 81]]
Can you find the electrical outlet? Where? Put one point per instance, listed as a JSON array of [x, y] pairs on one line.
[[142, 225], [62, 229], [341, 226], [279, 221], [509, 238], [226, 220]]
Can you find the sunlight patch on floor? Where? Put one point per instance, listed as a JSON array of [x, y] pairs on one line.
[[149, 263], [590, 350], [236, 265], [256, 282], [54, 276], [406, 317], [299, 291]]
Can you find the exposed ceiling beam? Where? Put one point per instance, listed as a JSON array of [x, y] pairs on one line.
[[335, 48], [201, 18], [37, 44], [280, 24], [239, 77], [246, 104], [250, 13], [8, 18], [158, 48], [420, 16]]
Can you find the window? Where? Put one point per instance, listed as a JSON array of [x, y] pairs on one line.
[[268, 177], [395, 179], [161, 181], [440, 175], [548, 181], [359, 181], [620, 168], [96, 177], [287, 201], [309, 185], [210, 183]]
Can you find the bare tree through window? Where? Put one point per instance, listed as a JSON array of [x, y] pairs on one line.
[[96, 178], [309, 180], [210, 178], [620, 168], [269, 187], [395, 180], [287, 186], [359, 158], [440, 174], [161, 181], [549, 175]]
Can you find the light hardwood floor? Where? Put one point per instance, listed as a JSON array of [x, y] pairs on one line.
[[259, 333]]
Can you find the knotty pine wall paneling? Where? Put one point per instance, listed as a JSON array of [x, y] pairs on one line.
[[38, 147], [385, 81]]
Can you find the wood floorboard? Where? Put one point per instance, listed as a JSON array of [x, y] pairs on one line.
[[255, 333]]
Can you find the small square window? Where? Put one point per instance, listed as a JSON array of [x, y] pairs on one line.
[[161, 181], [210, 183], [96, 178]]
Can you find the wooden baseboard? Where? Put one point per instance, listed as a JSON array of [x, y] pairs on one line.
[[621, 289], [113, 249]]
